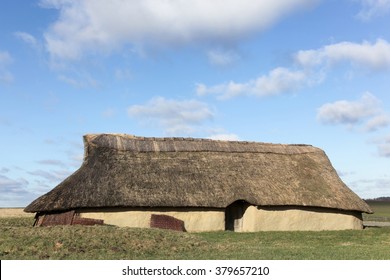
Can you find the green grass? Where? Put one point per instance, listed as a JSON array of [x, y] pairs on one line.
[[19, 240], [381, 211]]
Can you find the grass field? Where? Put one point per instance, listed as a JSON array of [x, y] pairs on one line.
[[381, 211], [18, 240]]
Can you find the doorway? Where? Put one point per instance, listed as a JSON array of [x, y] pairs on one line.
[[233, 215]]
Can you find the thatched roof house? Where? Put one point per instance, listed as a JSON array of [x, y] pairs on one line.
[[208, 185]]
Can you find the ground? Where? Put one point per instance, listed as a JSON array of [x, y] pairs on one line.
[[19, 240]]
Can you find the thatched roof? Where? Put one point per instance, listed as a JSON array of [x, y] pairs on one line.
[[127, 171]]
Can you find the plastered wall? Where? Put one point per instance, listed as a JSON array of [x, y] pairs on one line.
[[194, 220], [285, 219], [254, 219]]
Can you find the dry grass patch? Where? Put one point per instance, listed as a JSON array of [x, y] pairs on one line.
[[14, 212]]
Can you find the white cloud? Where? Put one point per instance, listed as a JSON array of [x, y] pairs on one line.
[[379, 121], [95, 26], [348, 112], [373, 8], [224, 91], [383, 145], [225, 137], [175, 117], [374, 56], [278, 81], [366, 110], [5, 60], [28, 39], [222, 58], [314, 64]]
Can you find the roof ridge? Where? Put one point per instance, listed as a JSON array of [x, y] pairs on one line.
[[131, 143], [194, 139]]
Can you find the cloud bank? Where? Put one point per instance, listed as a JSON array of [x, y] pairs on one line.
[[85, 25], [311, 68], [278, 81], [374, 56]]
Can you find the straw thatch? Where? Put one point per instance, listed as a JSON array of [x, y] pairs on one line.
[[128, 171]]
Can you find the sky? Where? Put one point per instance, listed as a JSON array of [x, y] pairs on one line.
[[282, 71]]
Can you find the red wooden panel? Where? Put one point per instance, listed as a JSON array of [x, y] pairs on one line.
[[166, 222], [64, 218]]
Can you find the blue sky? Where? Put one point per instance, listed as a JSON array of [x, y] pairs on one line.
[[282, 71]]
